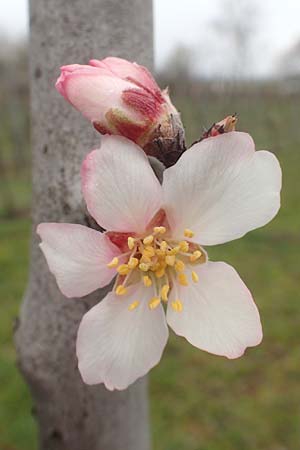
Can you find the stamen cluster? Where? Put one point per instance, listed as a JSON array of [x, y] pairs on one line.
[[158, 260]]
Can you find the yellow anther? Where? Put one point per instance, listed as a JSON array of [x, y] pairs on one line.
[[147, 281], [163, 246], [182, 279], [170, 260], [160, 252], [123, 269], [177, 306], [144, 267], [133, 305], [133, 262], [196, 255], [159, 230], [164, 292], [174, 250], [148, 240], [184, 246], [195, 277], [188, 233], [130, 242], [160, 272], [121, 290], [154, 302], [145, 259], [155, 267], [179, 265], [149, 251], [163, 263], [113, 263]]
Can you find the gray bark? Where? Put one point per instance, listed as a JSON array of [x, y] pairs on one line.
[[70, 414]]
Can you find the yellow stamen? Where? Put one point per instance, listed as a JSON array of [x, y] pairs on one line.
[[121, 290], [159, 230], [177, 306], [148, 240], [133, 262], [164, 292], [133, 305], [188, 233], [182, 279], [144, 267], [154, 302], [195, 277], [179, 265], [147, 281], [184, 246], [123, 269], [170, 260], [174, 250], [145, 259], [113, 263], [196, 255], [163, 246], [130, 242], [155, 267], [160, 272], [149, 251], [160, 252]]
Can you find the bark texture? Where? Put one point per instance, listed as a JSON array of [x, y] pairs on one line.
[[71, 415]]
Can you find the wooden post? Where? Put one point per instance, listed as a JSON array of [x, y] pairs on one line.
[[70, 414]]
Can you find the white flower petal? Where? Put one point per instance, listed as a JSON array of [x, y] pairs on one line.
[[77, 256], [120, 188], [116, 346], [221, 189], [219, 314]]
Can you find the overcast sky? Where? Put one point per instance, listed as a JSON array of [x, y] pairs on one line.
[[189, 22]]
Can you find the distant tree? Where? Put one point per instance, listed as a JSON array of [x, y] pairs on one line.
[[289, 62], [14, 121], [236, 27], [179, 64], [177, 72]]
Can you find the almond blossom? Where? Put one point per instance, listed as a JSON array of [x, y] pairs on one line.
[[119, 97], [220, 189]]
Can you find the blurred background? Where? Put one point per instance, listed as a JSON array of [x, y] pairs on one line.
[[217, 57]]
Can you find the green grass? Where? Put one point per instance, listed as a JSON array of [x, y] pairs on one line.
[[16, 192], [200, 401], [17, 428]]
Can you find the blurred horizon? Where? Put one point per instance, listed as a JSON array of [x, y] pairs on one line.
[[245, 39]]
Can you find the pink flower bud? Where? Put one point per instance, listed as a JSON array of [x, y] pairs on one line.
[[119, 97]]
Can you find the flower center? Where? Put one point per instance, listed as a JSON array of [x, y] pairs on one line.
[[159, 262]]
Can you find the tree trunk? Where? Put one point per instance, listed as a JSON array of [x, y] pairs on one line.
[[70, 414]]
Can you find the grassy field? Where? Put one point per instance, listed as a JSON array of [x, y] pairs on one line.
[[199, 401]]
